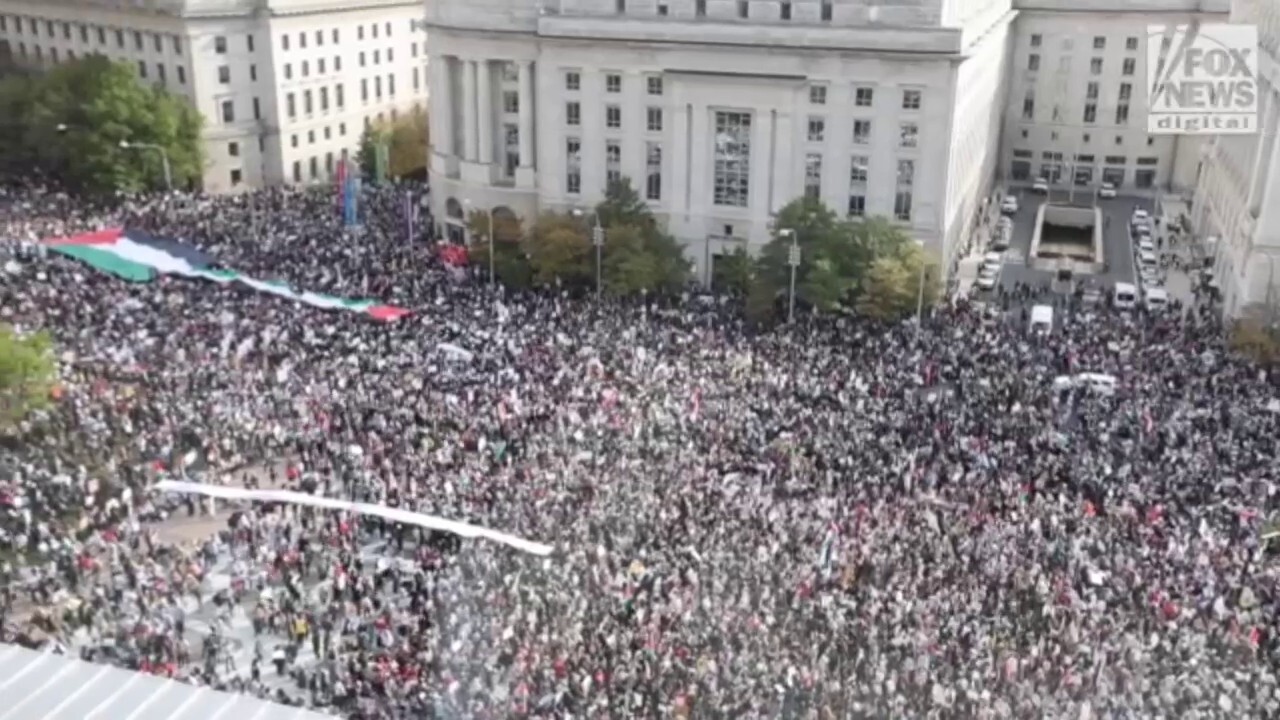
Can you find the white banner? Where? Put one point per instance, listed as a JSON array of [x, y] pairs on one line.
[[403, 516]]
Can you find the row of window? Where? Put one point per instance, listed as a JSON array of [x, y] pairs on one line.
[[335, 36], [1143, 178], [1090, 114], [318, 98], [144, 70], [612, 82], [865, 97], [1099, 42], [858, 172], [908, 132], [743, 9], [1128, 66], [52, 29], [1087, 158], [1085, 139], [613, 166]]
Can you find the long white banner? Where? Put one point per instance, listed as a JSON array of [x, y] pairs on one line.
[[404, 516]]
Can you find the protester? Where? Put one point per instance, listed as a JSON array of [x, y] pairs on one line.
[[830, 520]]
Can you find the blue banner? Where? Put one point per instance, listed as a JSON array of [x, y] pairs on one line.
[[350, 195]]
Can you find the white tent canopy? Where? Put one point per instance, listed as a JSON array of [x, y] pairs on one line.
[[57, 687]]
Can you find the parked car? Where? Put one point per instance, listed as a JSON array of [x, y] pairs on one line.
[[1009, 205], [1156, 298], [1106, 190], [1126, 296], [1040, 186], [1140, 215], [992, 261]]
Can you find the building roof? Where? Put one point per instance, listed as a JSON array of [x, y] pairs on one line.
[[58, 687]]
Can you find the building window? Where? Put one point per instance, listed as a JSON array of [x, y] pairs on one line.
[[1095, 66], [857, 204], [1099, 42], [908, 134], [311, 137], [328, 163], [744, 9], [1091, 112], [818, 94], [572, 80], [306, 102], [236, 177], [1131, 44], [334, 36], [861, 132], [339, 97], [142, 66], [1144, 179], [654, 85], [700, 8], [1035, 40], [359, 32], [613, 117], [817, 129], [653, 119], [248, 41], [319, 38], [1033, 62], [510, 101], [1147, 161], [863, 96], [910, 99], [233, 149], [297, 171], [612, 162], [284, 41], [1128, 66], [360, 59], [314, 167], [511, 138], [813, 175], [613, 83], [253, 73], [364, 89], [1122, 114], [220, 45], [137, 38], [302, 40], [228, 111], [182, 75], [858, 185], [324, 99], [1029, 106], [293, 140], [257, 109], [653, 171], [291, 108], [573, 166], [160, 73], [732, 172], [1091, 91], [572, 114], [1126, 90], [391, 86], [288, 71], [224, 74], [306, 69], [902, 198], [825, 12]]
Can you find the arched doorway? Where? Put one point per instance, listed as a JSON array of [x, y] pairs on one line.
[[506, 224], [455, 222]]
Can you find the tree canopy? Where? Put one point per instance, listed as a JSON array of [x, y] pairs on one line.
[[637, 257], [406, 139], [869, 264], [67, 124], [27, 374]]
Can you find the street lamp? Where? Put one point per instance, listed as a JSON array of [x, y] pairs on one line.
[[164, 157], [793, 262], [597, 239], [488, 214]]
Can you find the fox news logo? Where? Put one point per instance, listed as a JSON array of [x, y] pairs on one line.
[[1203, 79]]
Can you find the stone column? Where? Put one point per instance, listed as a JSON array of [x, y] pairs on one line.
[[526, 113], [469, 111], [484, 110], [441, 102]]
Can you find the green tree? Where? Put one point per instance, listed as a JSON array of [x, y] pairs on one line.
[[892, 288], [73, 119], [407, 139], [642, 248], [559, 249], [734, 273], [510, 263], [829, 270], [27, 374]]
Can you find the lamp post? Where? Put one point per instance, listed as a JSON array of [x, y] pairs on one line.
[[920, 289], [164, 157], [488, 215], [597, 239], [793, 262]]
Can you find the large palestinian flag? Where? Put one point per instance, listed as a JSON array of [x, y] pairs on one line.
[[139, 257]]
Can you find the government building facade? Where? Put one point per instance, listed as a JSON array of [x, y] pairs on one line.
[[720, 112]]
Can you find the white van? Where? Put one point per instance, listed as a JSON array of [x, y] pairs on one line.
[[1041, 320], [1126, 296], [1156, 299], [1148, 259]]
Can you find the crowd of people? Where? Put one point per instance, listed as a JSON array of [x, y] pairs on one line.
[[828, 520]]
